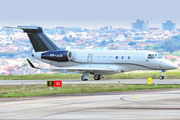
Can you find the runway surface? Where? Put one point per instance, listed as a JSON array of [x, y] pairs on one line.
[[65, 82], [142, 104]]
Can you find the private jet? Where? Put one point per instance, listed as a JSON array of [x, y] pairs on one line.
[[92, 62]]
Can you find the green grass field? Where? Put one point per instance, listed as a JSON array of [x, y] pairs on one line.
[[130, 75], [39, 90]]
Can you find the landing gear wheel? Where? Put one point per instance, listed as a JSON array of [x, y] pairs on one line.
[[83, 78], [97, 77], [161, 77]]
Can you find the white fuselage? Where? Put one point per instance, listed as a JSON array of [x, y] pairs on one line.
[[119, 60]]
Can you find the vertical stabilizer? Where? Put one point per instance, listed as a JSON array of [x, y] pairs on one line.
[[39, 40]]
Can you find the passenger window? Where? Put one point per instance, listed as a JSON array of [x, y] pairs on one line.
[[110, 57], [128, 57], [151, 56], [122, 57], [116, 57], [98, 57], [104, 57]]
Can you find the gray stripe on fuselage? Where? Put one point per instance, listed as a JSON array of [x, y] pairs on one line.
[[116, 64]]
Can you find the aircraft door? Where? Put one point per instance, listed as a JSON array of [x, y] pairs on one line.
[[160, 64], [89, 58]]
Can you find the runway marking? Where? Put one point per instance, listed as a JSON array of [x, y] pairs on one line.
[[152, 100], [142, 99]]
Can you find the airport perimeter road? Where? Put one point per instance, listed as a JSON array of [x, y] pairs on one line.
[[143, 104], [66, 82]]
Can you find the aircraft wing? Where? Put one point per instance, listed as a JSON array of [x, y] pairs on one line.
[[73, 68]]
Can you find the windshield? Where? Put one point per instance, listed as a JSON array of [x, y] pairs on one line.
[[151, 56], [154, 56], [158, 56]]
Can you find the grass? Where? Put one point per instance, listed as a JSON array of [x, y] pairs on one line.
[[39, 90], [130, 75]]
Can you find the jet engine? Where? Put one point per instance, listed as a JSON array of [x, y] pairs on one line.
[[58, 55]]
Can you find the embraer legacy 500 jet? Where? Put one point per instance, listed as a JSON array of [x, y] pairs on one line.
[[95, 62]]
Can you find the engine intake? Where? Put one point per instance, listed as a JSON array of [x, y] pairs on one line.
[[59, 55]]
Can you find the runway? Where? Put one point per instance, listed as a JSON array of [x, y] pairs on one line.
[[140, 104], [66, 82]]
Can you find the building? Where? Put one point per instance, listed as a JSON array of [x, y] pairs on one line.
[[140, 25], [168, 25]]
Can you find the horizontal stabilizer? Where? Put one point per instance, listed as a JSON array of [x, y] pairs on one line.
[[22, 27], [32, 64]]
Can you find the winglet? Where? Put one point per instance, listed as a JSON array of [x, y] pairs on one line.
[[32, 64]]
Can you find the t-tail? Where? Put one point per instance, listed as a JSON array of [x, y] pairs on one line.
[[42, 44], [39, 40]]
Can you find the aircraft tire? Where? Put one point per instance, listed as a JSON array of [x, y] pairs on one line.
[[161, 77], [83, 78], [97, 77]]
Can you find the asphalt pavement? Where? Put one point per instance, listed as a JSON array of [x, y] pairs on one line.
[[141, 104], [66, 82]]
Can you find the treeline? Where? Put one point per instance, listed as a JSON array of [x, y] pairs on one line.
[[170, 45]]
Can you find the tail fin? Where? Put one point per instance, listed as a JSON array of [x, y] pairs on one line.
[[39, 40]]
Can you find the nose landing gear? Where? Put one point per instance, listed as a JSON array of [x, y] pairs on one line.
[[161, 77]]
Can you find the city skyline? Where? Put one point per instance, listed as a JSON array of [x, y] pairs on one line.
[[88, 14]]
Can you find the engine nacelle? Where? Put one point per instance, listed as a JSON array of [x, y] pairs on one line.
[[59, 55]]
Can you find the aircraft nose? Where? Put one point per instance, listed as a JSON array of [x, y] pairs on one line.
[[169, 65], [174, 66]]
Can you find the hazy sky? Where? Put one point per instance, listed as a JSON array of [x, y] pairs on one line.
[[88, 13]]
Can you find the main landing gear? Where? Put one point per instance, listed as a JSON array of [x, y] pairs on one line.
[[161, 77], [97, 77], [83, 78], [86, 76]]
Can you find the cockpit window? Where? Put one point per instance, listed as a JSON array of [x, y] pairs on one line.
[[151, 56], [154, 56], [158, 56]]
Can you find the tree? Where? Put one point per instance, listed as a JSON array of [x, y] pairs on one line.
[[103, 42], [156, 47], [136, 34], [173, 59], [132, 43], [63, 32], [138, 38], [171, 45], [111, 41], [160, 50], [66, 39], [70, 36], [149, 47], [125, 35]]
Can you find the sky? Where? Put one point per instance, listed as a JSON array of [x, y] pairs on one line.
[[90, 14]]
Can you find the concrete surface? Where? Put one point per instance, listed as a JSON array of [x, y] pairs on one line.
[[142, 104]]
